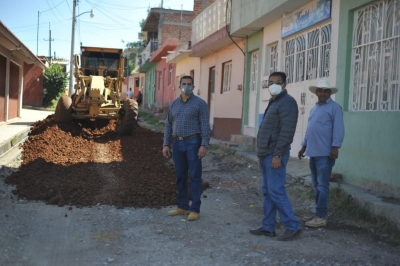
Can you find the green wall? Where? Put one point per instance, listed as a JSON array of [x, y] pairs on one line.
[[248, 11], [149, 85], [370, 154]]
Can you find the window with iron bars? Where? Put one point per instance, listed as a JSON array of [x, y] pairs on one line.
[[271, 59], [307, 55], [376, 57], [254, 71], [226, 78]]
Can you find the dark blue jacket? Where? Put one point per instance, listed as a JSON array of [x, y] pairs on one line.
[[278, 126]]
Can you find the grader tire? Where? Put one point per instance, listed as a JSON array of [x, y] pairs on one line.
[[63, 110], [128, 121]]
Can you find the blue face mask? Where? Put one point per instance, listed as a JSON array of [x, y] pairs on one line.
[[187, 89]]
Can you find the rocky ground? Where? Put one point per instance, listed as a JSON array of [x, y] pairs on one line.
[[75, 165], [81, 195]]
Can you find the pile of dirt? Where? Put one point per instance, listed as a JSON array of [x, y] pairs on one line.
[[90, 164]]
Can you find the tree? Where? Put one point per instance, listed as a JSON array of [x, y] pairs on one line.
[[55, 82], [136, 48]]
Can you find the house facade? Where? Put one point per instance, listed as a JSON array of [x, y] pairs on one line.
[[368, 72], [185, 65], [221, 72], [20, 72], [165, 30], [165, 75], [354, 45]]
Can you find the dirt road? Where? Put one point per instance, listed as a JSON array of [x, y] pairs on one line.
[[110, 233]]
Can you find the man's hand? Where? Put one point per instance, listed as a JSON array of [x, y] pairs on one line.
[[166, 152], [202, 152], [276, 162], [301, 152], [334, 153]]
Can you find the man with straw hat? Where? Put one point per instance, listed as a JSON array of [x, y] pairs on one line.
[[323, 138]]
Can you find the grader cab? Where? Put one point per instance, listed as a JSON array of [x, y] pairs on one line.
[[98, 88]]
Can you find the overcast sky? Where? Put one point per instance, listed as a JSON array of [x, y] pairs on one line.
[[115, 22]]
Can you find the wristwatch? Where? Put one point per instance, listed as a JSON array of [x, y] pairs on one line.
[[278, 156], [205, 146]]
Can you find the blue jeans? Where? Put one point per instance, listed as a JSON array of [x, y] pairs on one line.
[[275, 197], [321, 170], [184, 153]]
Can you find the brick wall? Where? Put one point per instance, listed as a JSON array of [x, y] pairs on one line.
[[186, 18], [174, 31], [200, 5], [171, 27], [32, 88]]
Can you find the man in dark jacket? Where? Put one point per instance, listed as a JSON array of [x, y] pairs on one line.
[[273, 145]]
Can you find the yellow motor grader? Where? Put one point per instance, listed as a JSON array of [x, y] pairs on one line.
[[98, 89]]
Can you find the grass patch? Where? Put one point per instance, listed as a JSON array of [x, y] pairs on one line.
[[53, 105], [149, 117], [344, 205], [344, 208]]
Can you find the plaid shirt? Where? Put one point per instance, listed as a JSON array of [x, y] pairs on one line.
[[187, 118]]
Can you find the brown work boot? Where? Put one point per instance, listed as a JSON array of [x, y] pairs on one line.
[[261, 231], [178, 212], [317, 222], [193, 216], [289, 235]]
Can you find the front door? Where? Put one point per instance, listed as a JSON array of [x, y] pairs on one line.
[[253, 91], [210, 97], [307, 60]]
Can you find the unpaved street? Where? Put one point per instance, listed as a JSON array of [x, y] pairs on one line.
[[33, 233]]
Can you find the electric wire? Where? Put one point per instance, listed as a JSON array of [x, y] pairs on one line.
[[51, 8], [226, 26]]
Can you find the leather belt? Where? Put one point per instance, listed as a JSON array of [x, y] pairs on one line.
[[188, 137]]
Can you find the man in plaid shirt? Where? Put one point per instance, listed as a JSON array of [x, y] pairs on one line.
[[187, 127]]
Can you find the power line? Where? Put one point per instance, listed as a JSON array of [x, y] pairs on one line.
[[51, 8]]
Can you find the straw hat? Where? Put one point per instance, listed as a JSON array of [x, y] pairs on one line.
[[323, 84]]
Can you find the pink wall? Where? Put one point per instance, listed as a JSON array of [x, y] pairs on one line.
[[165, 84]]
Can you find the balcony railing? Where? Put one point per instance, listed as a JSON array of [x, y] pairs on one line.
[[212, 19], [152, 46]]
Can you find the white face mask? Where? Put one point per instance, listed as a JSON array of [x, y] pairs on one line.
[[275, 89]]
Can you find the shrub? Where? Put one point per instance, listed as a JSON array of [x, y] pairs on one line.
[[55, 82]]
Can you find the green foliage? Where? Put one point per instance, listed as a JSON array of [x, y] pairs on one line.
[[148, 117], [151, 119], [55, 82], [136, 48], [344, 205], [141, 23]]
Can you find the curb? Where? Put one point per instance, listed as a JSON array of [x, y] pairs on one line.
[[9, 144]]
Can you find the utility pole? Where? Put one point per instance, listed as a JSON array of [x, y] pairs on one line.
[[37, 37], [50, 40], [160, 24], [71, 63]]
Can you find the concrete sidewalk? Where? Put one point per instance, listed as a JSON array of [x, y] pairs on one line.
[[299, 169], [16, 130]]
